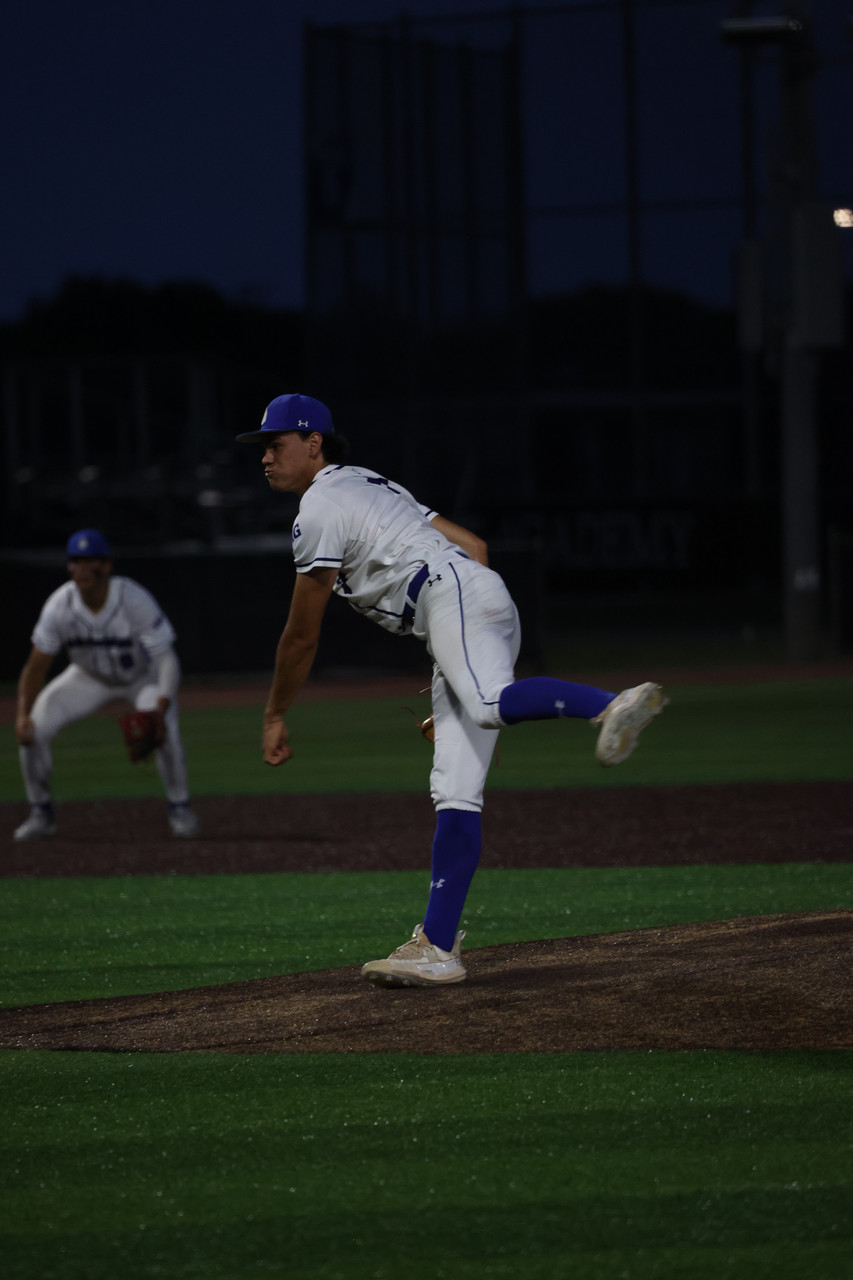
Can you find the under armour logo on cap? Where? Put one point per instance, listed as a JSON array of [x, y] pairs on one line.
[[291, 413]]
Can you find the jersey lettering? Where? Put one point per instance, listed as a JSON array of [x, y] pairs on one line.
[[297, 532], [380, 480], [341, 585]]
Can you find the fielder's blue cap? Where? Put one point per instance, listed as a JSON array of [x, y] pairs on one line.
[[88, 542], [291, 413]]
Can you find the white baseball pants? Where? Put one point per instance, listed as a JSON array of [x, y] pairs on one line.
[[73, 695], [470, 625]]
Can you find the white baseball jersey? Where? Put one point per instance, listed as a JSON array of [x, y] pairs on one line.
[[114, 645], [378, 537], [374, 533]]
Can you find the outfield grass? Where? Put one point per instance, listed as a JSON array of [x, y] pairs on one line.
[[796, 731]]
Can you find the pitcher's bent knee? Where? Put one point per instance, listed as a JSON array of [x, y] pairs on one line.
[[484, 711]]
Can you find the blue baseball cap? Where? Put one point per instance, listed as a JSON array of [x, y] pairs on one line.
[[88, 543], [291, 413]]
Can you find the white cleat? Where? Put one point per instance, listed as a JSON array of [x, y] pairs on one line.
[[182, 821], [622, 720], [418, 963], [38, 825]]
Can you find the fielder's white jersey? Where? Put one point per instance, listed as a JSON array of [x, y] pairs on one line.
[[374, 533], [114, 645]]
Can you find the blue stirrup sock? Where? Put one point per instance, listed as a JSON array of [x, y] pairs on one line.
[[455, 854], [545, 698]]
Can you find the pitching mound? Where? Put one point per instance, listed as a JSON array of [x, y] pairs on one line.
[[761, 983]]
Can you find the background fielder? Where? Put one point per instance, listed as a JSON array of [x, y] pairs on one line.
[[411, 571], [120, 645]]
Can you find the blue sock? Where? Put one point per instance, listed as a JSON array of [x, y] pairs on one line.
[[455, 854], [544, 698]]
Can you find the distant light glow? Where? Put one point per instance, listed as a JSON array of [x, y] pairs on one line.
[[210, 498], [843, 217]]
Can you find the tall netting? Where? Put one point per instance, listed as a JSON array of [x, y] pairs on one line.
[[557, 259]]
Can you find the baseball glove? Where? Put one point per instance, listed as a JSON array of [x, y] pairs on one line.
[[143, 731], [427, 727]]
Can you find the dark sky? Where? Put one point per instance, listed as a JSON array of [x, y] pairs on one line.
[[161, 139]]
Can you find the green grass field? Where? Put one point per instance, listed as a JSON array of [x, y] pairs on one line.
[[590, 1166], [82, 939], [796, 731]]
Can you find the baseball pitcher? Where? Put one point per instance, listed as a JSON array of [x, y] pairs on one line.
[[413, 572]]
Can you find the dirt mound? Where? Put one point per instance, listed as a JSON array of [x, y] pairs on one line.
[[760, 983]]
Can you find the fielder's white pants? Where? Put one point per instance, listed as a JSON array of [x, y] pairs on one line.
[[470, 625], [73, 695]]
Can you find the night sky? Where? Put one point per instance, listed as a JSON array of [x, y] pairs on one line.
[[161, 139]]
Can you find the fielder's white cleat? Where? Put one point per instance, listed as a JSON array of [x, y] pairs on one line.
[[418, 963], [39, 824], [622, 720], [182, 821]]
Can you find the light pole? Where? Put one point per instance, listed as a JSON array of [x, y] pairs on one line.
[[800, 309]]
